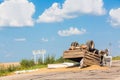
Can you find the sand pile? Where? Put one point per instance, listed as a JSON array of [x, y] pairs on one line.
[[95, 67], [72, 69]]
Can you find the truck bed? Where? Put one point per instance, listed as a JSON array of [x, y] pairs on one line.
[[73, 54], [89, 58]]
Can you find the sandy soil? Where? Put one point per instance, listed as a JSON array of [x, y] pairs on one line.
[[90, 73]]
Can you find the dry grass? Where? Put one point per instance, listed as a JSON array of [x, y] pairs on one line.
[[9, 64]]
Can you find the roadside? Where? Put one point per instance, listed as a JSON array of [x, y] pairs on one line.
[[90, 73]]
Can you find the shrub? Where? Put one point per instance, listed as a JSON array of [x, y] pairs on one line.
[[49, 59], [11, 68], [40, 61], [27, 63], [60, 60]]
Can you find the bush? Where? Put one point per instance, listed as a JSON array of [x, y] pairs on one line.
[[27, 63], [60, 60], [40, 61], [49, 59], [11, 68]]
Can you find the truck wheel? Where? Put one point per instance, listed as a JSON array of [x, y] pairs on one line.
[[90, 44]]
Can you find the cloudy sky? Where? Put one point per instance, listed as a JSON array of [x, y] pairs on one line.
[[27, 25]]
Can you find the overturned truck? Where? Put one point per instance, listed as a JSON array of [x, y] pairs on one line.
[[86, 54]]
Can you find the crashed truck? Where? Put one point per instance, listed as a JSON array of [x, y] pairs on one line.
[[87, 54]]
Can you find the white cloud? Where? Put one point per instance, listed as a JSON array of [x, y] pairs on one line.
[[16, 13], [71, 31], [71, 9], [20, 39], [44, 39], [115, 17]]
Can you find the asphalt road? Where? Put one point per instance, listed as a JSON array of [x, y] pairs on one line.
[[112, 73]]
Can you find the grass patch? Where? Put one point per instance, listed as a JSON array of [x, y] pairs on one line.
[[36, 67], [7, 70], [116, 58], [26, 64]]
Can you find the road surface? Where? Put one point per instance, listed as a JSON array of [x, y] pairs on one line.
[[75, 73]]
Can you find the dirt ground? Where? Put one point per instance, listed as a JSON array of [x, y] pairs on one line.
[[90, 73]]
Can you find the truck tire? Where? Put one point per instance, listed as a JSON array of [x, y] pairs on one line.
[[75, 44], [90, 44]]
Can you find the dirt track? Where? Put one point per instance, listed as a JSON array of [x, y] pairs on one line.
[[91, 73]]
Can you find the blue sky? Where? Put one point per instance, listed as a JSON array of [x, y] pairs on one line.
[[27, 25]]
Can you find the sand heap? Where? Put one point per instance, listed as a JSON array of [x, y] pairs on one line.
[[93, 67]]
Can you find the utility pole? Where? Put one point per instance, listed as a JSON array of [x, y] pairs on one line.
[[110, 48], [35, 56]]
